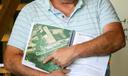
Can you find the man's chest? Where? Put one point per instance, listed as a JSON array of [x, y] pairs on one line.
[[85, 22]]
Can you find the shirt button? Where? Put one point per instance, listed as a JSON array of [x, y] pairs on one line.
[[63, 16]]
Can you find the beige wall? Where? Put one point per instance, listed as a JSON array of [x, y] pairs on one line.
[[119, 61], [121, 7]]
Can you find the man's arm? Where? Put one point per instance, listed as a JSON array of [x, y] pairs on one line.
[[110, 41], [12, 61]]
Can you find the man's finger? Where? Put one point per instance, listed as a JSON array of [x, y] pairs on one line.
[[66, 71], [55, 61], [48, 59]]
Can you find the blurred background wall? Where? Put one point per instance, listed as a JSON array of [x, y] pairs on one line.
[[119, 60]]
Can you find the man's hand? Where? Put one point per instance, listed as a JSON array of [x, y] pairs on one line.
[[63, 56], [58, 73]]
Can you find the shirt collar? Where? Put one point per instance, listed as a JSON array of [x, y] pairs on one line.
[[47, 4], [44, 3], [80, 4]]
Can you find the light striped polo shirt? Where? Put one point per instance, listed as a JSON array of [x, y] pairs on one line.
[[89, 18]]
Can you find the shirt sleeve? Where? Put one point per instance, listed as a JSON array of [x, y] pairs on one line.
[[21, 28], [107, 13]]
